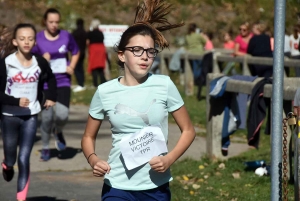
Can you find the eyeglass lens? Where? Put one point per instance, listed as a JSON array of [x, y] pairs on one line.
[[138, 51]]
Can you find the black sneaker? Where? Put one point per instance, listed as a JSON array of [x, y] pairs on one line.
[[224, 151], [7, 173], [60, 142]]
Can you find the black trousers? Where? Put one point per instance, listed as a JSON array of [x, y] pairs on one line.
[[79, 70], [98, 73]]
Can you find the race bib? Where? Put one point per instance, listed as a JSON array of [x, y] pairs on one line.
[[59, 65], [27, 90], [140, 147]]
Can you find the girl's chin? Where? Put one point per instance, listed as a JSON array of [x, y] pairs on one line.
[[25, 51]]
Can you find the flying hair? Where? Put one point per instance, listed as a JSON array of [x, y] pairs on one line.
[[6, 46], [152, 13]]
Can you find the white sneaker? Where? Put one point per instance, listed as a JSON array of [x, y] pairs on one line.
[[78, 89]]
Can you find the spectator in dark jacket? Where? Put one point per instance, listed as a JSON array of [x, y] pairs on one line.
[[260, 46], [80, 37]]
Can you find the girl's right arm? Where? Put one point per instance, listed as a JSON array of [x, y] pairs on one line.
[[4, 98], [100, 167], [10, 100]]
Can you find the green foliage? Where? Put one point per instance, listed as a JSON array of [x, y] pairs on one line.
[[210, 15]]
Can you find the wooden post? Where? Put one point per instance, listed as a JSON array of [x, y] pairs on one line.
[[246, 70], [214, 122], [188, 77], [216, 68]]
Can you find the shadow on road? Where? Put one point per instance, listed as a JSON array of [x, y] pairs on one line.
[[68, 153], [43, 198]]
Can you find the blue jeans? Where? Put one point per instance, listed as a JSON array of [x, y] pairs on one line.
[[19, 130], [197, 68], [161, 193]]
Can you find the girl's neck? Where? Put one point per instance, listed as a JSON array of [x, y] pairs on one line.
[[24, 59], [247, 36], [51, 36], [129, 80]]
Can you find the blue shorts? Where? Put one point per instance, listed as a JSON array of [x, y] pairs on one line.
[[161, 193]]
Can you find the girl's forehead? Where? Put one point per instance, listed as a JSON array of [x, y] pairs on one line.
[[53, 16], [25, 31], [140, 40]]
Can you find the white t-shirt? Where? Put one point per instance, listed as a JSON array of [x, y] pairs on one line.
[[22, 82], [130, 109], [295, 43]]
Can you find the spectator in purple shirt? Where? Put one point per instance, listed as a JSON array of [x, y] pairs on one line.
[[55, 44]]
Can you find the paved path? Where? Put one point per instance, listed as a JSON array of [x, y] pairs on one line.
[[67, 175]]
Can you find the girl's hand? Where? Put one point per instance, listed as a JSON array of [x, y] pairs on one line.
[[47, 56], [100, 168], [70, 70], [48, 104], [24, 102], [160, 163]]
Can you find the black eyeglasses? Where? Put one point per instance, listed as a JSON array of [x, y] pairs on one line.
[[139, 51]]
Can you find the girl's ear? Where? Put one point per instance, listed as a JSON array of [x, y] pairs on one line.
[[14, 42], [121, 56]]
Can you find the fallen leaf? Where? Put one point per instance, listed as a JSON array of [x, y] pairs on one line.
[[185, 187], [222, 166], [236, 175], [201, 180], [205, 176], [196, 186], [218, 174], [201, 167], [192, 192], [185, 178]]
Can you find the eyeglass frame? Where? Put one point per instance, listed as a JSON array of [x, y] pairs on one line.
[[131, 50]]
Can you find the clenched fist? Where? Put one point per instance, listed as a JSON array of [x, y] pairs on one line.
[[24, 102], [48, 104]]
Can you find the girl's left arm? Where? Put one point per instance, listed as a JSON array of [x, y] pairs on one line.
[[74, 60], [71, 67], [73, 48], [162, 163]]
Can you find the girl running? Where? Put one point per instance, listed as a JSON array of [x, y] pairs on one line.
[[55, 44], [22, 76], [137, 105]]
